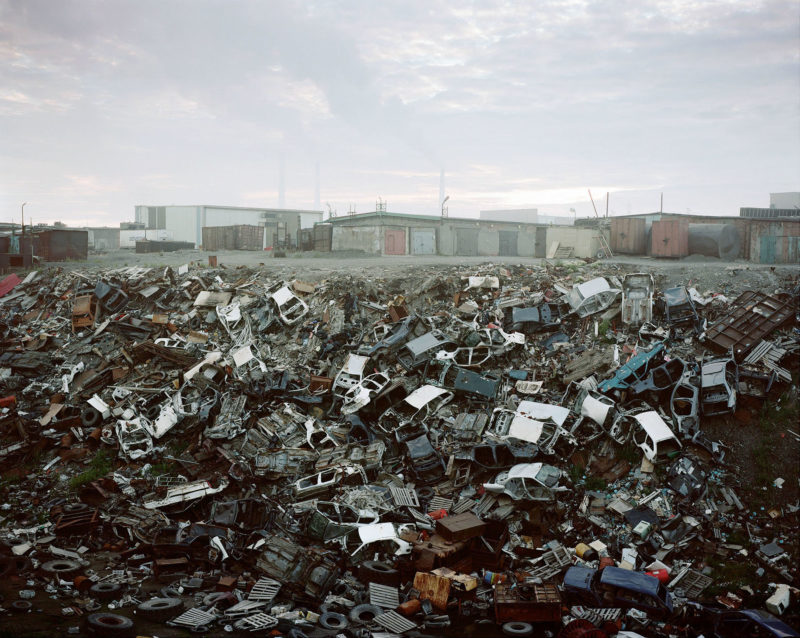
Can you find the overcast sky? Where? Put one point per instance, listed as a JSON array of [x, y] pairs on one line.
[[107, 104]]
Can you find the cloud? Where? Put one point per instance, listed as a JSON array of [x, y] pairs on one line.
[[523, 103]]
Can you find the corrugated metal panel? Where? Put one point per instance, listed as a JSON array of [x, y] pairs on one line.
[[249, 237], [768, 213], [239, 237], [670, 238], [322, 237], [628, 236]]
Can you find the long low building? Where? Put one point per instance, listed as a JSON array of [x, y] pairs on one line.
[[386, 233], [185, 223]]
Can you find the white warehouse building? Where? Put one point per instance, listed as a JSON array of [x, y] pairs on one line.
[[186, 223]]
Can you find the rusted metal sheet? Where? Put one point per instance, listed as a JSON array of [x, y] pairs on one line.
[[61, 245], [539, 603], [81, 522], [239, 237], [83, 312], [8, 284], [669, 238], [434, 588], [322, 237], [752, 316], [395, 242], [628, 236]]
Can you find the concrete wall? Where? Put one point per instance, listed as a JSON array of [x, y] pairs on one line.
[[582, 240], [366, 238], [372, 240]]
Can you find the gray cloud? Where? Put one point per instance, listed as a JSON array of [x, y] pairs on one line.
[[107, 104]]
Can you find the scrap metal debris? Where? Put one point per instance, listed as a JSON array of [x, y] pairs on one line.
[[522, 449]]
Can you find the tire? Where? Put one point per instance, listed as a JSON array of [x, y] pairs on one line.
[[61, 567], [72, 508], [425, 493], [518, 629], [364, 614], [105, 591], [90, 417], [159, 609], [372, 571], [21, 605], [109, 625], [332, 620]]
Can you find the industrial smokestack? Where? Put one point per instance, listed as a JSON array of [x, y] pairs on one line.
[[441, 187], [282, 185], [316, 187]]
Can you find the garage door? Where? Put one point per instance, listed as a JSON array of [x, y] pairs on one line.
[[508, 243], [423, 242], [541, 242], [466, 241], [395, 242]]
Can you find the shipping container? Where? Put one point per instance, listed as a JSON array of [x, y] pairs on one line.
[[61, 245], [240, 237], [628, 235], [669, 238]]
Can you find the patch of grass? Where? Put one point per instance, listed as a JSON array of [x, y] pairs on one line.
[[575, 473], [99, 466]]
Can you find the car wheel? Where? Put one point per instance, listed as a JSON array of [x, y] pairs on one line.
[[518, 629], [332, 620], [159, 609], [364, 614], [61, 567], [372, 571], [109, 625], [105, 591]]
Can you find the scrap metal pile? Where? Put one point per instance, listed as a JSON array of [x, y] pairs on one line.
[[519, 449]]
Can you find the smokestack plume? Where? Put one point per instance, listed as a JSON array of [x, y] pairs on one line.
[[316, 187], [282, 185]]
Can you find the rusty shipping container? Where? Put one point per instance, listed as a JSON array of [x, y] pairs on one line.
[[669, 238], [628, 236], [248, 237], [240, 237], [61, 245]]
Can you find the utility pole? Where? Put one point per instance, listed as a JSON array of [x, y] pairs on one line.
[[22, 219]]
